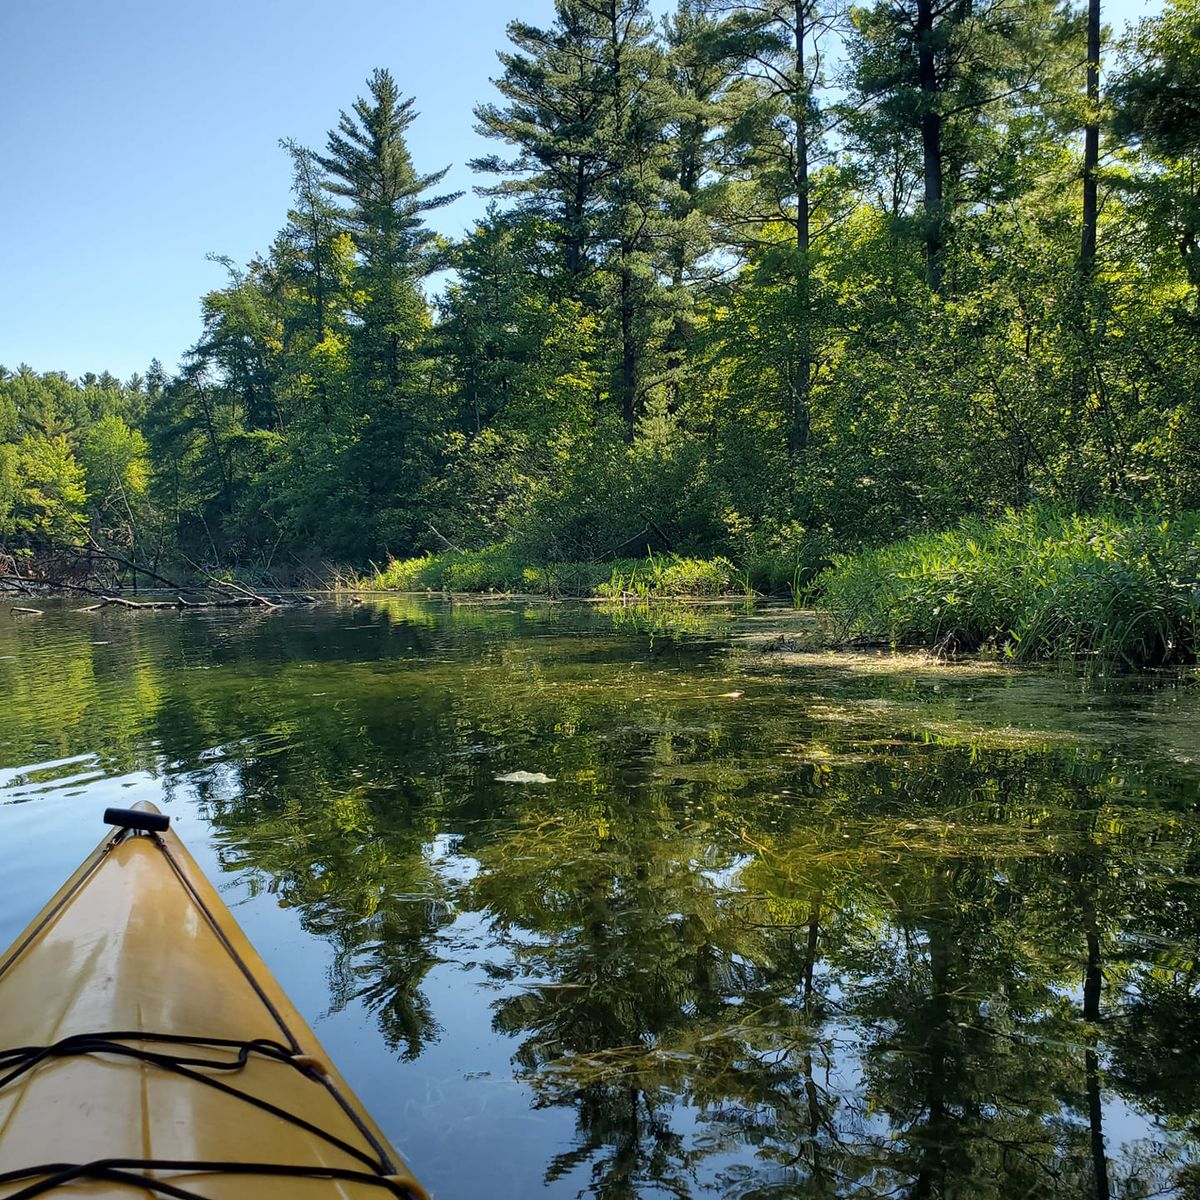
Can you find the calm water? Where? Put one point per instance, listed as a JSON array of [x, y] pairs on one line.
[[769, 931]]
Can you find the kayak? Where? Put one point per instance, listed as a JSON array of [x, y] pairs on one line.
[[145, 1049]]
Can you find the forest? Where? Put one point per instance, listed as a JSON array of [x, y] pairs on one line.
[[765, 284]]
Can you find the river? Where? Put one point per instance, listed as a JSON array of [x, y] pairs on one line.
[[615, 904]]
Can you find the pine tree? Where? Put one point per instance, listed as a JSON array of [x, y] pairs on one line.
[[633, 231], [698, 74], [309, 243], [776, 145], [552, 117], [368, 165], [587, 109], [953, 81]]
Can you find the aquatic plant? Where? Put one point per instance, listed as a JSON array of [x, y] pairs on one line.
[[673, 575]]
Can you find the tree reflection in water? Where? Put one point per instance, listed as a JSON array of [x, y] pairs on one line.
[[844, 936]]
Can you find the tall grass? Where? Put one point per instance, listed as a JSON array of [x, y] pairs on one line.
[[1034, 584], [673, 575], [497, 569]]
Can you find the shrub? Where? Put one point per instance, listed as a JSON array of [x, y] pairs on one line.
[[672, 575]]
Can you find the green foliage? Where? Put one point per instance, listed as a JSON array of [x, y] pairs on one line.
[[1034, 584], [1158, 98], [10, 487], [499, 569], [727, 304], [1156, 106], [51, 493], [670, 575], [115, 460], [74, 466]]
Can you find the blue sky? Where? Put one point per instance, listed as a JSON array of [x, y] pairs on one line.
[[137, 136]]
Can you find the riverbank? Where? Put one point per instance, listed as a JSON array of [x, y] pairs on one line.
[[498, 569], [1033, 584]]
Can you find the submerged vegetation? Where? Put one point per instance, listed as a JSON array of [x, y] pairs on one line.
[[853, 931], [760, 284]]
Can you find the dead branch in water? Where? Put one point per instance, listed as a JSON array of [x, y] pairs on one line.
[[99, 551], [179, 602], [27, 585], [228, 586]]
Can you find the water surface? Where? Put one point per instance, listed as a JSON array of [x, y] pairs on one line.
[[766, 930]]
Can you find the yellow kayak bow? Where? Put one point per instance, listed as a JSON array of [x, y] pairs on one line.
[[145, 1049]]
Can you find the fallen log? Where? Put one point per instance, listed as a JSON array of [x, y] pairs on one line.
[[180, 603], [33, 612], [227, 585]]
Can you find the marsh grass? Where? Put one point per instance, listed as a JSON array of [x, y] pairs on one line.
[[498, 569], [1033, 584], [674, 575], [492, 569]]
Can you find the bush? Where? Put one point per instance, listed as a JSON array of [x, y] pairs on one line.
[[781, 557], [490, 569], [1034, 584], [671, 575]]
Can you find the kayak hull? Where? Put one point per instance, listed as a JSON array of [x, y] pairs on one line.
[[139, 944]]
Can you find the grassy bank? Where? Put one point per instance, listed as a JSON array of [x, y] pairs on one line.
[[497, 569], [1033, 584]]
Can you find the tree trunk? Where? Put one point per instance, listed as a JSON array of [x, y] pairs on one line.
[[215, 446], [800, 121], [1091, 141], [628, 348], [801, 369], [931, 146], [1092, 983], [620, 103]]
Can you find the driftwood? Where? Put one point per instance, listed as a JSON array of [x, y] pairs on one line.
[[249, 601], [33, 612], [228, 587]]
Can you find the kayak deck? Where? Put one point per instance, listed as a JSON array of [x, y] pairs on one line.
[[172, 1044]]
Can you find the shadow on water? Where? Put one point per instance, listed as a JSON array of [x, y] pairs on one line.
[[761, 930]]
